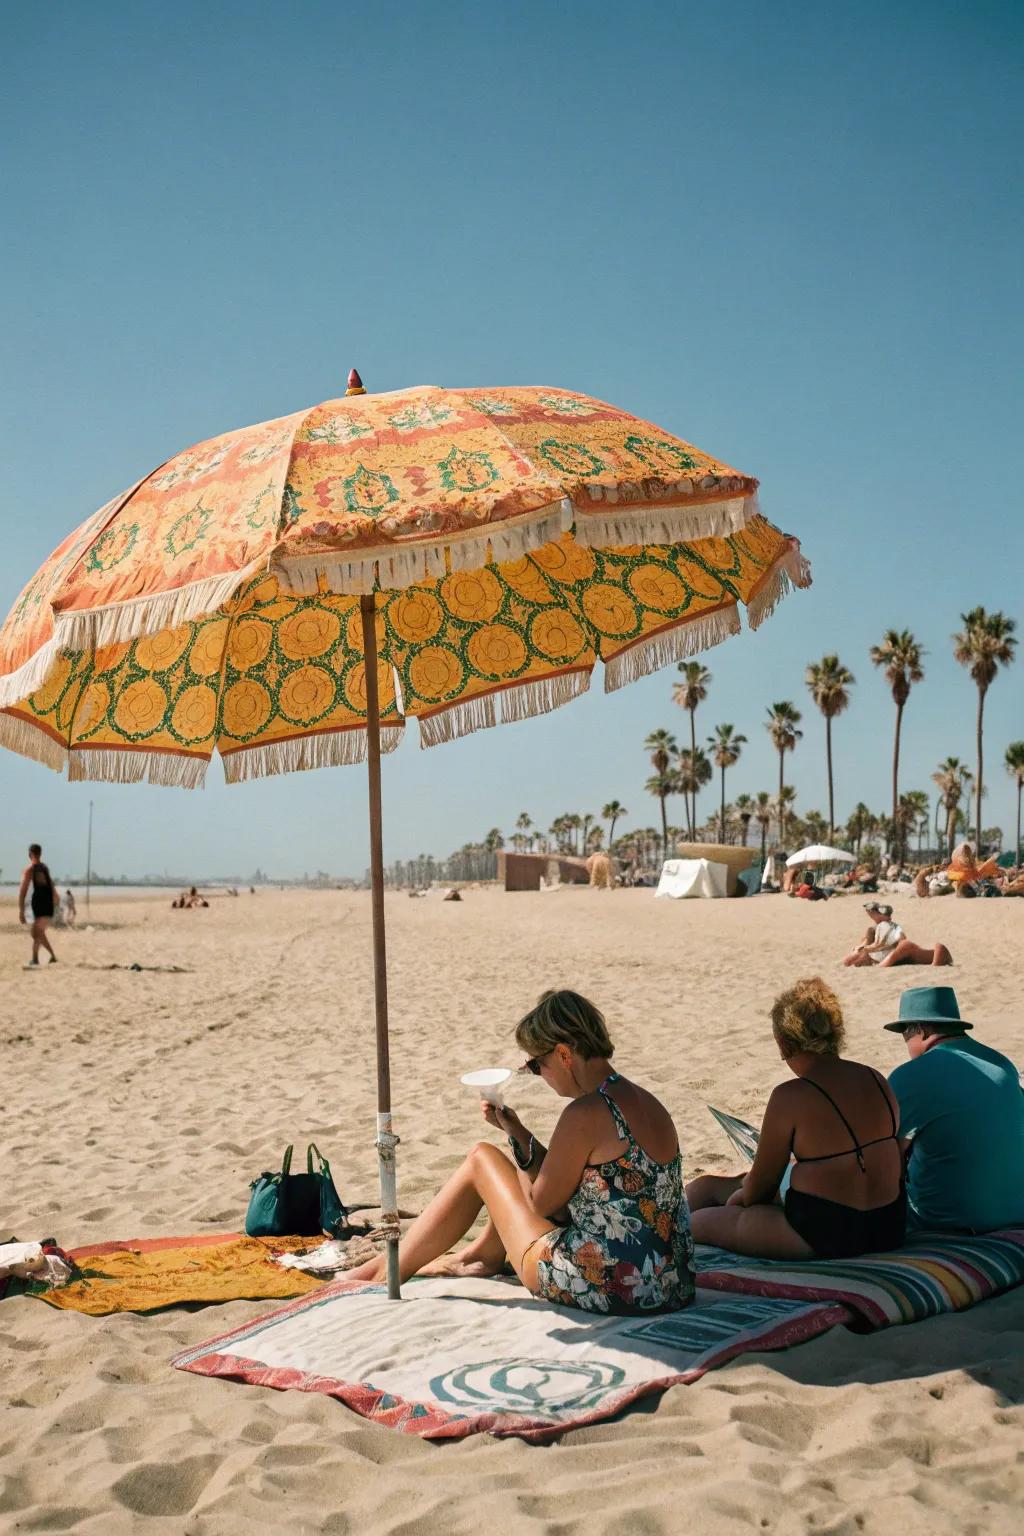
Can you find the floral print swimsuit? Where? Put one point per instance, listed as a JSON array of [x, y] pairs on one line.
[[629, 1247]]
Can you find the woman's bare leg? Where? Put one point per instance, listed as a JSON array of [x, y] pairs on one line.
[[907, 952], [710, 1190], [858, 957], [761, 1231], [486, 1177]]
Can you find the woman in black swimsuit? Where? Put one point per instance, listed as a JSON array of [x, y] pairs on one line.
[[36, 880], [839, 1124]]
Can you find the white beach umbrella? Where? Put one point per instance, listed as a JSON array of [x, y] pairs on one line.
[[819, 853]]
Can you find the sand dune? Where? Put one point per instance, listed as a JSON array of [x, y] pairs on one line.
[[141, 1103]]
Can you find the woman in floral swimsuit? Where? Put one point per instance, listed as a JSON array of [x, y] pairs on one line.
[[599, 1220]]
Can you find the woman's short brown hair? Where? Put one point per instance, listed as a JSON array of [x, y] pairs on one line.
[[808, 1017], [564, 1018]]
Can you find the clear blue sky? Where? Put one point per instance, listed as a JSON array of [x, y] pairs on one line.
[[789, 233]]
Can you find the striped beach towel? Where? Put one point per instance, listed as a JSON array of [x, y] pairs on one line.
[[932, 1274]]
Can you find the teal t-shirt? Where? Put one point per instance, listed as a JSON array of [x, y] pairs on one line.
[[963, 1106]]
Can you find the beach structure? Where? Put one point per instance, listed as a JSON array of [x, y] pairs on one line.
[[529, 871], [290, 593], [692, 878]]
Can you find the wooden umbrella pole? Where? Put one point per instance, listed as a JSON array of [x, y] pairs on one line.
[[387, 1141]]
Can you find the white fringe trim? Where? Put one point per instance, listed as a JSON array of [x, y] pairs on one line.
[[328, 749], [660, 650], [30, 676], [667, 523], [95, 627], [32, 741], [518, 703], [116, 765], [392, 567], [790, 570]]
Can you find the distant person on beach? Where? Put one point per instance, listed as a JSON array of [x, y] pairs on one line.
[[839, 1123], [886, 944], [68, 908], [961, 1117], [37, 879], [598, 1220]]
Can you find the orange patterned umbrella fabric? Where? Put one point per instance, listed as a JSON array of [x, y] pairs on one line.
[[275, 681], [512, 537]]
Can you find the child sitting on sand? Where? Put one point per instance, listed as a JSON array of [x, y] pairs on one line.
[[839, 1121]]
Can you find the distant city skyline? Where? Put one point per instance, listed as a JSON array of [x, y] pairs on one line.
[[806, 262]]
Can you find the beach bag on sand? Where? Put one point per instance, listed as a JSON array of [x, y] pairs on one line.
[[290, 1204]]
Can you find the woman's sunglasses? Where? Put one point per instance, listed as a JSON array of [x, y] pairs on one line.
[[533, 1065]]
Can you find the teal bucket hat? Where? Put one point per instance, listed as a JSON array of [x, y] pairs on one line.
[[929, 1005]]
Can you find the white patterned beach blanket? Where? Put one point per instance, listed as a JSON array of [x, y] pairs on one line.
[[455, 1357]]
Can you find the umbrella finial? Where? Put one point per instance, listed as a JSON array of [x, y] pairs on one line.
[[355, 384]]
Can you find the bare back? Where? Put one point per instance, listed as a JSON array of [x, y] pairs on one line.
[[649, 1122], [844, 1121]]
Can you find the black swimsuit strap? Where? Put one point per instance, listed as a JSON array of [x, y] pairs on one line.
[[856, 1148], [859, 1147]]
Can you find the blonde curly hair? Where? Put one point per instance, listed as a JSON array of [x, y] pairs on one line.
[[808, 1017], [564, 1018]]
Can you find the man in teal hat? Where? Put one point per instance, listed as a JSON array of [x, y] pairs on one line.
[[962, 1111]]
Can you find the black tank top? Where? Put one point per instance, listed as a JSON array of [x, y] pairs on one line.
[[42, 891]]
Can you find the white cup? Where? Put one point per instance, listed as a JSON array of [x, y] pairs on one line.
[[488, 1083]]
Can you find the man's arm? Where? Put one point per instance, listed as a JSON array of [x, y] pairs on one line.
[[26, 881]]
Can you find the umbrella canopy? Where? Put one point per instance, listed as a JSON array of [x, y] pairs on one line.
[[288, 594], [819, 853]]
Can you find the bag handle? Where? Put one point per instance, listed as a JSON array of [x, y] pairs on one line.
[[320, 1158], [286, 1161]]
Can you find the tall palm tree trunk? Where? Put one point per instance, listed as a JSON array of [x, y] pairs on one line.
[[764, 844], [977, 782], [896, 772], [691, 799], [782, 808], [721, 814], [828, 754], [1016, 851], [664, 829]]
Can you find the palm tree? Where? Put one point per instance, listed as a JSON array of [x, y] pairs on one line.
[[983, 645], [726, 745], [763, 815], [611, 813], [586, 822], [744, 812], [523, 827], [783, 719], [595, 839], [662, 747], [830, 682], [693, 690], [784, 802], [693, 772], [816, 827], [952, 778], [911, 812], [1014, 761], [900, 655], [494, 840], [859, 823]]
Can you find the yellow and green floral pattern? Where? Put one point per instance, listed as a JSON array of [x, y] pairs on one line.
[[276, 681]]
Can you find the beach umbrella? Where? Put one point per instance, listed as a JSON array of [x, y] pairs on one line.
[[819, 853], [290, 593]]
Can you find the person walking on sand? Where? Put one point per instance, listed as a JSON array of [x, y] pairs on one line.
[[37, 879], [961, 1120]]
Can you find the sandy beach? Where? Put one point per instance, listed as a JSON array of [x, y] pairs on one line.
[[142, 1103]]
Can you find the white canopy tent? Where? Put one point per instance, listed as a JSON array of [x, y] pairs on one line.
[[692, 877]]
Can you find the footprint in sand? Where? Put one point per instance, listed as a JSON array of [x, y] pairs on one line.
[[165, 1488]]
